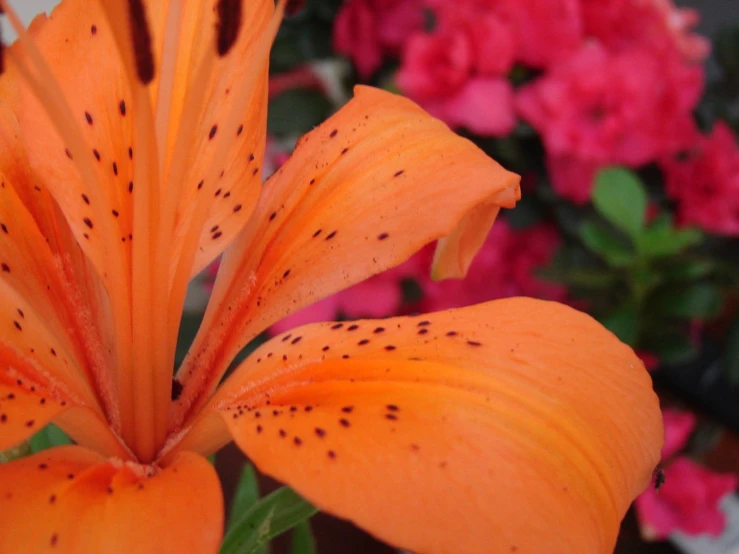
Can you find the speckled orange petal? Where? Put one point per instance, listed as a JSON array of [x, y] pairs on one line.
[[361, 193], [71, 500], [513, 426], [79, 49], [233, 111]]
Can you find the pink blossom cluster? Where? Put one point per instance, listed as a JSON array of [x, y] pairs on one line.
[[689, 499], [612, 82]]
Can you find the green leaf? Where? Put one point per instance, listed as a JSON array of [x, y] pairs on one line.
[[48, 437], [605, 242], [662, 239], [247, 493], [274, 514], [297, 111], [692, 301], [303, 541], [619, 196], [687, 269], [624, 323], [19, 451]]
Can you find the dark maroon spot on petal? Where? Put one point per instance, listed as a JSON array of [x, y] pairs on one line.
[[392, 417], [287, 273], [115, 213], [296, 340], [312, 181], [237, 208], [389, 347], [5, 267], [344, 422], [474, 343], [272, 215], [286, 337], [331, 454], [347, 409], [96, 154], [176, 389], [424, 323], [423, 331], [88, 117], [239, 130], [344, 151], [217, 235], [141, 38], [352, 327], [130, 153], [333, 133], [331, 235], [30, 423], [336, 326], [363, 342], [130, 186], [122, 109], [17, 325], [68, 153], [379, 330], [4, 228], [392, 407], [212, 132], [229, 24], [251, 157], [382, 236], [52, 499], [93, 30], [345, 357], [54, 539], [259, 428], [282, 433], [317, 233], [452, 334], [88, 222], [399, 173], [325, 348], [308, 408], [298, 441], [43, 466]]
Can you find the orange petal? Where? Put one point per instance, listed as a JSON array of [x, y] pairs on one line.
[[516, 425], [72, 500], [361, 194], [23, 414]]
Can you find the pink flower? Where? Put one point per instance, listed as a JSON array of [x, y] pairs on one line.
[[649, 359], [688, 501], [443, 72], [436, 65], [645, 24], [547, 31], [484, 105], [705, 182], [679, 425], [599, 108], [505, 266], [367, 30]]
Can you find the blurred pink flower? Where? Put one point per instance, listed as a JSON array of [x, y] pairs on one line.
[[688, 501], [438, 71], [505, 266], [599, 108], [484, 105], [367, 30], [435, 65], [546, 31], [679, 425], [645, 24], [705, 182]]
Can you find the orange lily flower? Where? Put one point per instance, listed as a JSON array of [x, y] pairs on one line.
[[132, 136]]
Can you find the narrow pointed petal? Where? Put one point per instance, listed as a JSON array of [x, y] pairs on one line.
[[78, 47], [513, 426], [71, 500], [362, 193]]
